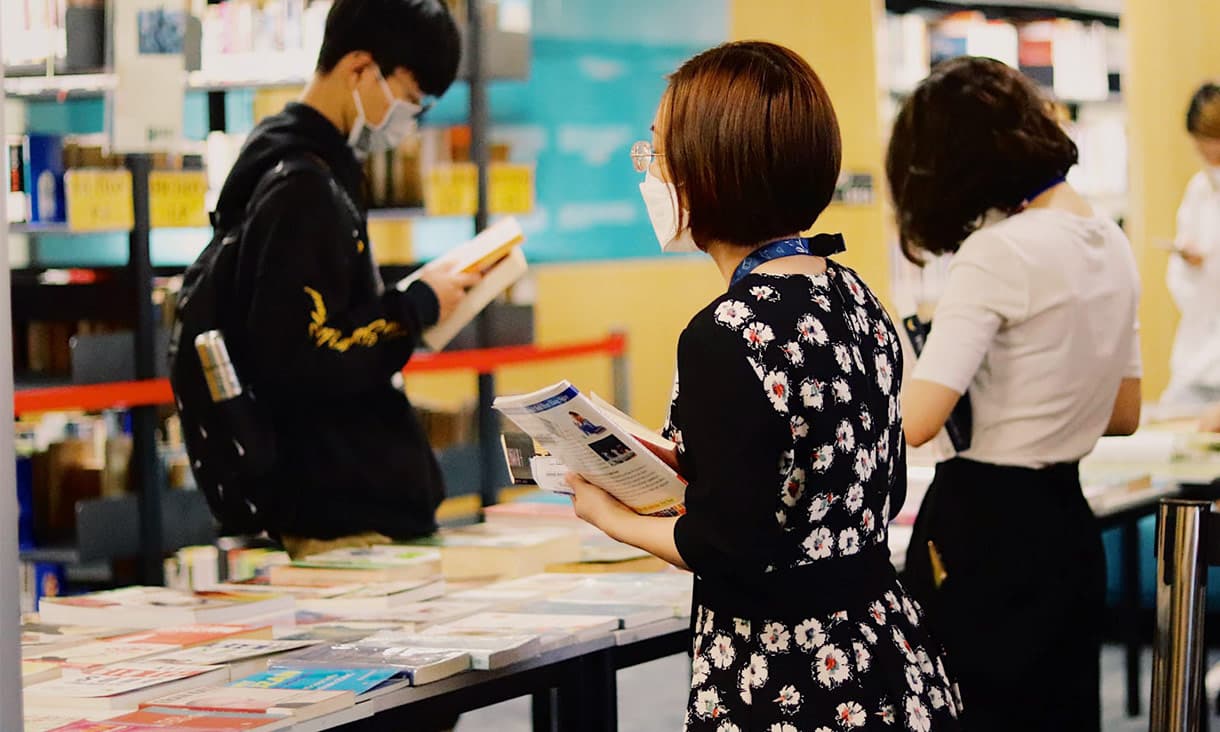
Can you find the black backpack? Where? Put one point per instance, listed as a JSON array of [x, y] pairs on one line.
[[231, 444]]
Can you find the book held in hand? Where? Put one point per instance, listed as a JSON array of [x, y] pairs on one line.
[[582, 437], [496, 253]]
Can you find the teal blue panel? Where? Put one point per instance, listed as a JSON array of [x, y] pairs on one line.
[[195, 116], [239, 111], [96, 250], [72, 117], [692, 22], [433, 236], [1147, 556], [178, 247]]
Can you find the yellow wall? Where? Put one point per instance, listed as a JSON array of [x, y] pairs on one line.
[[1173, 49], [653, 299], [837, 38]]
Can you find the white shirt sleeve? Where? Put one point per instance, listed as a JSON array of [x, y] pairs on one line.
[[1189, 285], [987, 287], [1135, 361]]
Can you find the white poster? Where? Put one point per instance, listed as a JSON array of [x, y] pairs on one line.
[[147, 105]]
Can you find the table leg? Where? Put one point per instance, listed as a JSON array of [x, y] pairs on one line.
[[544, 710], [1129, 611], [589, 702]]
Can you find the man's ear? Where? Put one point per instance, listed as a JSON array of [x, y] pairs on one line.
[[352, 65]]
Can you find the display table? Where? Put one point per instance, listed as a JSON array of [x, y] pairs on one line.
[[573, 688]]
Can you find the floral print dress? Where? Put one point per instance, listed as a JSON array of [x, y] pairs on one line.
[[785, 411]]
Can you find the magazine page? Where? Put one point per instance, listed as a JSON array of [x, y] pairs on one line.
[[587, 441]]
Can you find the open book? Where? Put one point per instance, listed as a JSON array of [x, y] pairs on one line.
[[585, 435], [496, 253]]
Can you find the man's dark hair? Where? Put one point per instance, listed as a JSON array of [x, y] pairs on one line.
[[751, 143], [417, 35], [1203, 115], [976, 135]]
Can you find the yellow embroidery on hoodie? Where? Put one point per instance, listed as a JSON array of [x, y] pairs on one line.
[[326, 336]]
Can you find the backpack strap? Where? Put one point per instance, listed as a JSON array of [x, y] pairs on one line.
[[297, 163]]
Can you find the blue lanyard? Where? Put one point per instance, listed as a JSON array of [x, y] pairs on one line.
[[1043, 189], [822, 245]]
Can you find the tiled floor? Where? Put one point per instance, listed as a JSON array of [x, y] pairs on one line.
[[652, 699]]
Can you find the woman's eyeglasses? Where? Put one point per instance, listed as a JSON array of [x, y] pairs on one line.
[[642, 155]]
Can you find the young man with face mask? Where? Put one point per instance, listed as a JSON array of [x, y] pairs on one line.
[[320, 338]]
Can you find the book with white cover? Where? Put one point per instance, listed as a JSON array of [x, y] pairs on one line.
[[124, 685], [158, 607], [41, 638], [36, 672], [242, 657], [488, 651], [584, 439], [300, 705], [629, 615], [582, 627], [100, 653], [432, 612]]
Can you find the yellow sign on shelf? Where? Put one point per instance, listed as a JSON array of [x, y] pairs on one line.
[[452, 190], [99, 200], [177, 198]]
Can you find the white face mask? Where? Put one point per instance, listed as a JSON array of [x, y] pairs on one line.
[[661, 200], [399, 124]]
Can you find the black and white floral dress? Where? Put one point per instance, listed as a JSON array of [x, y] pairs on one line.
[[786, 414]]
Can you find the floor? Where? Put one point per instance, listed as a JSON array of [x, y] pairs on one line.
[[652, 699]]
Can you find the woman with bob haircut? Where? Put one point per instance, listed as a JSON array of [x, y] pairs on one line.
[[785, 413], [1037, 324]]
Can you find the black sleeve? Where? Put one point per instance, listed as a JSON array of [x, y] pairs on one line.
[[734, 437], [308, 333]]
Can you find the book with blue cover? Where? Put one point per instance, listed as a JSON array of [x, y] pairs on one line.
[[357, 681], [418, 665]]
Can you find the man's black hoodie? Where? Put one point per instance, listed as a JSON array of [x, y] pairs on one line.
[[320, 340]]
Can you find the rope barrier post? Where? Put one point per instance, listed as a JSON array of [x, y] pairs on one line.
[[1177, 657], [620, 374]]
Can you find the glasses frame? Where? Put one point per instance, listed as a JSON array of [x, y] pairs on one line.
[[643, 156]]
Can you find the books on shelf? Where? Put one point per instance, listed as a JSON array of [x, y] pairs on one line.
[[585, 439], [124, 685], [488, 651], [298, 704], [389, 563], [159, 607], [358, 682], [496, 253], [417, 665], [493, 551]]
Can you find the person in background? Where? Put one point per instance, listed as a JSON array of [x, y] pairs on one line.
[[322, 338], [786, 419], [1194, 266], [1037, 322]]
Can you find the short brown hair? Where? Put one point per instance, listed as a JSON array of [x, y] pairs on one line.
[[976, 135], [1203, 116], [751, 143]]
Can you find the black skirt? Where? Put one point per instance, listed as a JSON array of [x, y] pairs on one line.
[[1019, 605]]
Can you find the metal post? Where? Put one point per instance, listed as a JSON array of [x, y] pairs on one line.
[[489, 426], [620, 377], [147, 463], [1177, 656], [10, 588]]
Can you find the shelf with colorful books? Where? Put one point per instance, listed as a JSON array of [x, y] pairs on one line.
[[1101, 11]]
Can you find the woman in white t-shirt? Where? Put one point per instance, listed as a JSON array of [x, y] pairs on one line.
[[1194, 268], [1037, 326]]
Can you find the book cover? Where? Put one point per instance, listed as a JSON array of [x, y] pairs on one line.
[[960, 425], [436, 611], [231, 651], [342, 631], [158, 607], [583, 627], [488, 651], [628, 615], [100, 653], [194, 635], [151, 719], [417, 665], [495, 281], [319, 679], [36, 672], [123, 684], [299, 704]]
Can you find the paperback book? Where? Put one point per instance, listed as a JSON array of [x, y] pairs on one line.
[[123, 685], [300, 705], [417, 665], [358, 682], [159, 607], [488, 651]]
